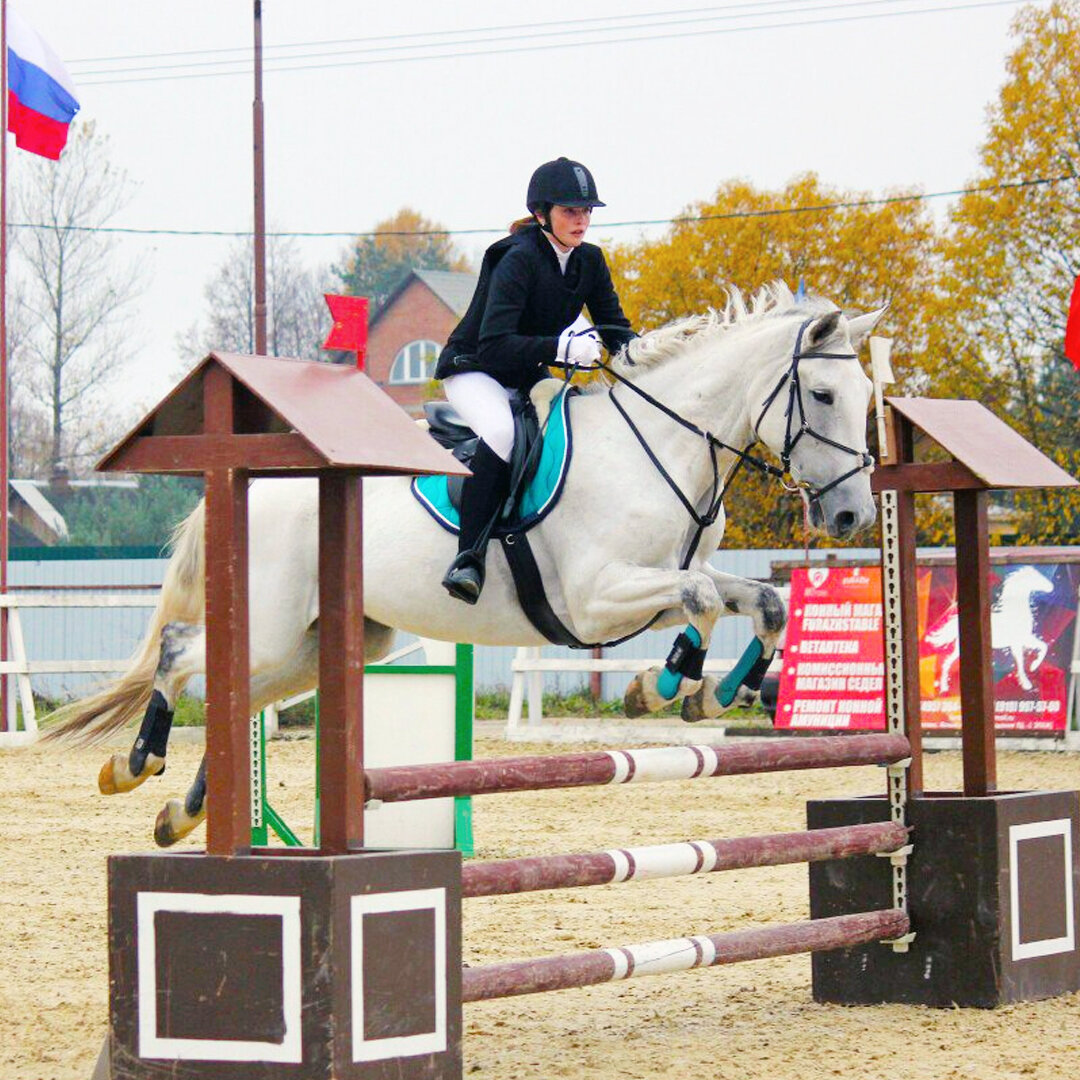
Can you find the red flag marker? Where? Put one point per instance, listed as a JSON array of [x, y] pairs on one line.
[[1072, 327], [349, 332]]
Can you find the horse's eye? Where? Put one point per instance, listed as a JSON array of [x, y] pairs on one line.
[[823, 396]]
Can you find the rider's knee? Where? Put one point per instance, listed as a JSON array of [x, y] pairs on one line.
[[500, 436]]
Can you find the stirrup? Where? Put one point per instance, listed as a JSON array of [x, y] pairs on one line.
[[464, 579]]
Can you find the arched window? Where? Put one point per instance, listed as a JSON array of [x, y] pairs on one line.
[[415, 362]]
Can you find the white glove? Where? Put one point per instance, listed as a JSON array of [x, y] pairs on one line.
[[578, 349]]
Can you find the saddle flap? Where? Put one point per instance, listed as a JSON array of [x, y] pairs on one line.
[[446, 426]]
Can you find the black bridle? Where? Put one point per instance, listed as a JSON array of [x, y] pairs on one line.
[[795, 401], [794, 431]]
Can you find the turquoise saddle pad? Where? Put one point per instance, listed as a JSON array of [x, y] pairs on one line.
[[541, 494]]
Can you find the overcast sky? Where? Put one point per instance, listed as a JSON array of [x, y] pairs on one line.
[[872, 95]]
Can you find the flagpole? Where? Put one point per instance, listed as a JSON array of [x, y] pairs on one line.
[[260, 192], [4, 384]]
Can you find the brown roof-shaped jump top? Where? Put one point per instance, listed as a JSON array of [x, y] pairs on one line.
[[986, 445], [294, 416]]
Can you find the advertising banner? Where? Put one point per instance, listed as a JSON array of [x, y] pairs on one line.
[[833, 669], [834, 666]]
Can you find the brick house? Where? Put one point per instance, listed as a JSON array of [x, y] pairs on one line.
[[408, 331]]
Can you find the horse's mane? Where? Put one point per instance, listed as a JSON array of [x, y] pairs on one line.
[[656, 347]]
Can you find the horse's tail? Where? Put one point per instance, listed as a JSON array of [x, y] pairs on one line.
[[91, 719]]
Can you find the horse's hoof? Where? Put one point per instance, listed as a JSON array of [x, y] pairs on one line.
[[116, 776], [174, 823], [635, 703], [702, 704], [692, 711]]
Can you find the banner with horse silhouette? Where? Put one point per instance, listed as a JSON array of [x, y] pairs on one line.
[[833, 670]]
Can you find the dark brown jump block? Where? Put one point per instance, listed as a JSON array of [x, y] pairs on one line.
[[994, 899], [285, 967]]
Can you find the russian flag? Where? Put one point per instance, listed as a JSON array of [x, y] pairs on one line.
[[41, 97]]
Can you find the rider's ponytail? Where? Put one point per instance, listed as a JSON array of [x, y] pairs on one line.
[[521, 223]]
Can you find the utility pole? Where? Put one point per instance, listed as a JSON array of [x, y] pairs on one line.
[[260, 192]]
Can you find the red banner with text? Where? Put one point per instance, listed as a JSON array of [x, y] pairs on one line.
[[833, 666]]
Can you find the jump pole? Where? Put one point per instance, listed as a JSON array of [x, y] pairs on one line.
[[680, 954], [596, 768], [675, 860]]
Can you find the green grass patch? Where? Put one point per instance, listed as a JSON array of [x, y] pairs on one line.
[[495, 705]]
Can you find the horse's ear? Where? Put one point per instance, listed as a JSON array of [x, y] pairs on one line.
[[859, 326], [820, 330]]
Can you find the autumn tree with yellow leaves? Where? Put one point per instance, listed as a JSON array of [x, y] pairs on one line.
[[1010, 256]]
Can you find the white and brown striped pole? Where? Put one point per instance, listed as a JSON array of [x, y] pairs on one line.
[[405, 783], [675, 860], [680, 954]]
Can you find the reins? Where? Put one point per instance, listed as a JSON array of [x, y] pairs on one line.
[[702, 521]]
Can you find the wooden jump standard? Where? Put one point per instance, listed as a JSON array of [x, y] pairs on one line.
[[679, 954], [673, 860], [405, 783]]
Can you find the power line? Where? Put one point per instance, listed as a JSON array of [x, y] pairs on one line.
[[653, 20], [245, 50], [690, 219], [650, 38]]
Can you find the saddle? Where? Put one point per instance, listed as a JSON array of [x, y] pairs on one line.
[[448, 429], [538, 462]]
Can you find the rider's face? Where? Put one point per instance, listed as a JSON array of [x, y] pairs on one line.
[[569, 225]]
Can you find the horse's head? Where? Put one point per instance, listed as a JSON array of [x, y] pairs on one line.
[[810, 409], [1029, 580]]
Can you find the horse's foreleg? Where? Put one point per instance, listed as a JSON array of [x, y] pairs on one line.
[[183, 651], [624, 595], [742, 685], [1040, 648], [1017, 651]]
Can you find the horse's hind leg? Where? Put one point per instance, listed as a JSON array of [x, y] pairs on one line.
[[299, 673], [178, 817], [183, 654]]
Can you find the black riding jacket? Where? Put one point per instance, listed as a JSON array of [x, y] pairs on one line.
[[521, 305]]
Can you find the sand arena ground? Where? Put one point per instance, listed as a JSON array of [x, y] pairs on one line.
[[745, 1022]]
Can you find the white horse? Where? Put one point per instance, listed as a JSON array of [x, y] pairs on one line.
[[782, 372], [1012, 627]]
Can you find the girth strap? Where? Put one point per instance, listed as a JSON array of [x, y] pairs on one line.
[[529, 585]]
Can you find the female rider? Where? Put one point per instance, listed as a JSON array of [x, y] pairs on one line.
[[533, 285]]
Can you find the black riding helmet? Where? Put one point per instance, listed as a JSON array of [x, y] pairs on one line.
[[561, 182]]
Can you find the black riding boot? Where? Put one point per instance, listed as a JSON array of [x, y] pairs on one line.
[[482, 497]]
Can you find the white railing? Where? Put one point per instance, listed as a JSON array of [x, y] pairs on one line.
[[20, 667], [527, 683]]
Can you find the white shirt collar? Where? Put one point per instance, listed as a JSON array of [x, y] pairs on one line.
[[562, 256]]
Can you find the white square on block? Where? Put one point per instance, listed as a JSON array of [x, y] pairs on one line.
[[423, 1042], [1017, 833], [151, 1045]]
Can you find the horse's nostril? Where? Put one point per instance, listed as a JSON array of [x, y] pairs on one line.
[[845, 522]]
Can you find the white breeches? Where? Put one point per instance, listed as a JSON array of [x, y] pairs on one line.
[[484, 404]]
